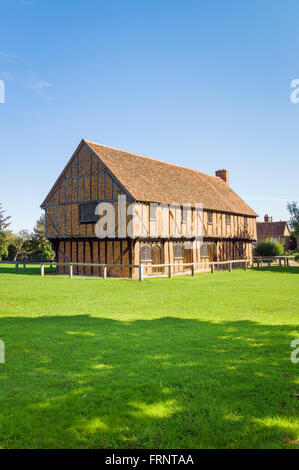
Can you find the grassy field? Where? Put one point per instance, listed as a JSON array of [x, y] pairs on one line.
[[199, 362]]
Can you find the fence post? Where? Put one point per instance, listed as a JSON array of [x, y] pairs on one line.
[[279, 261], [212, 268], [71, 270], [230, 266], [269, 264], [192, 269], [16, 267], [140, 272], [245, 265], [170, 270], [288, 262], [104, 271], [42, 269]]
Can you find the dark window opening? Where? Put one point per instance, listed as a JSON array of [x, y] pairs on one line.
[[210, 217], [87, 212], [227, 218]]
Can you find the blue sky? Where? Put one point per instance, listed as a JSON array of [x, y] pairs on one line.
[[204, 84]]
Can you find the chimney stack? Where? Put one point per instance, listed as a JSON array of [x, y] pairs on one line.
[[266, 218], [223, 174]]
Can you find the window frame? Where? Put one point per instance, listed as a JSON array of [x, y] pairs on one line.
[[178, 245], [210, 217], [145, 259], [228, 219], [204, 246]]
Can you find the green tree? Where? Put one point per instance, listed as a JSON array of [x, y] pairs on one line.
[[40, 247], [20, 247], [4, 220], [293, 209], [4, 223], [269, 248]]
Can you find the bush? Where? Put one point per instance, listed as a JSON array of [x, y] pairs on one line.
[[269, 249]]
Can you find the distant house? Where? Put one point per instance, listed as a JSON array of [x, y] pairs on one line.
[[96, 174], [274, 231]]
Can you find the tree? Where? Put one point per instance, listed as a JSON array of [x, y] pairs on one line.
[[40, 247], [3, 246], [20, 247], [4, 223], [293, 209], [269, 248], [4, 220]]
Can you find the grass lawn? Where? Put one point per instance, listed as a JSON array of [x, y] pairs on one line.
[[199, 362]]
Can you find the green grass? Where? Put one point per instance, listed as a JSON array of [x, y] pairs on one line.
[[199, 362]]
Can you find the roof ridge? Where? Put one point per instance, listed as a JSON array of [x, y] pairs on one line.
[[154, 159]]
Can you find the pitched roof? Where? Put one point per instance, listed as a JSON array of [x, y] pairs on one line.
[[150, 180], [272, 229]]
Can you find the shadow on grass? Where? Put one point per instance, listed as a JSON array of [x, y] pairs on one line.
[[81, 381]]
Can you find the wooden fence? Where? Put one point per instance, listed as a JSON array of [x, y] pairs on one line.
[[168, 268]]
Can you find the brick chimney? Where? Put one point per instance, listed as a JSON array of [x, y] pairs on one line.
[[223, 174], [266, 218]]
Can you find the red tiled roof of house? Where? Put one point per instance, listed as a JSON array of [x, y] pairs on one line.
[[272, 229], [150, 180]]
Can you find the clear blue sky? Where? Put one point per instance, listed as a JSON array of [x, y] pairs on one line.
[[205, 84]]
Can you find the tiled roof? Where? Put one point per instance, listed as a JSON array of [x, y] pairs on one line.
[[150, 180], [272, 229]]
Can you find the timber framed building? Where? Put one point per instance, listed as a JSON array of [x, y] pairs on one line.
[[96, 173]]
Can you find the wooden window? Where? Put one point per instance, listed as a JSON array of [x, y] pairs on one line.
[[245, 222], [145, 253], [178, 251], [87, 212], [204, 251], [227, 218], [241, 251], [210, 217]]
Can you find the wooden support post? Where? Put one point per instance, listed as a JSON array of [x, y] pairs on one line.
[[170, 270], [192, 270], [269, 264], [279, 261], [71, 270], [212, 268], [245, 265], [230, 267], [16, 267], [104, 271], [42, 270], [288, 262], [140, 272]]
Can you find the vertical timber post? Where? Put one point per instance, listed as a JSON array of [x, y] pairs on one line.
[[192, 269], [170, 270], [16, 267], [212, 268], [42, 269], [104, 271], [140, 272], [245, 265], [230, 266], [71, 270]]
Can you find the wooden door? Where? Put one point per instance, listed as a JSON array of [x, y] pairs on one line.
[[156, 257], [188, 258], [212, 252]]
